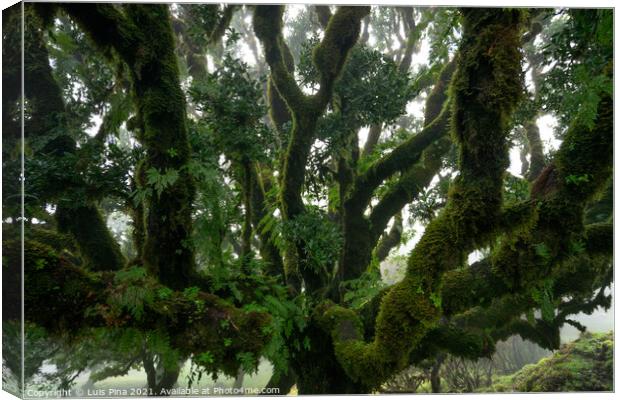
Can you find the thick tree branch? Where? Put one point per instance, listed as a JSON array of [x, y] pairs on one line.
[[324, 14], [160, 104], [81, 218], [374, 134], [409, 186], [362, 233], [391, 239], [436, 122], [109, 28], [558, 217], [268, 29], [63, 298], [329, 57], [483, 102], [222, 24], [537, 158], [400, 159]]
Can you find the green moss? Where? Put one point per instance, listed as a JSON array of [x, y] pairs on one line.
[[278, 110], [57, 291], [558, 220], [537, 158], [469, 344], [437, 97], [599, 238], [467, 287], [341, 34], [486, 87], [167, 251], [96, 244], [329, 58], [65, 299], [344, 324], [584, 165], [160, 103], [583, 365], [267, 24], [75, 216], [57, 241]]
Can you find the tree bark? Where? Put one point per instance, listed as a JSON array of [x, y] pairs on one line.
[[284, 382], [167, 252], [79, 217], [435, 374]]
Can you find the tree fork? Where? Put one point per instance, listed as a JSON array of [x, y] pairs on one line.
[[421, 162], [329, 57], [167, 251], [484, 99]]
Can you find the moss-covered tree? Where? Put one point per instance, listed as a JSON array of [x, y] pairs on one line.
[[257, 219]]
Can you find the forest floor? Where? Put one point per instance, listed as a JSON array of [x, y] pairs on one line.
[[136, 379]]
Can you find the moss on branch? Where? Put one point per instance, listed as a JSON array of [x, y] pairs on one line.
[[409, 186], [167, 252], [399, 159], [97, 246], [550, 245], [268, 28], [549, 230], [76, 216], [419, 158], [537, 158], [323, 14], [64, 299], [329, 58], [436, 124], [486, 88]]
